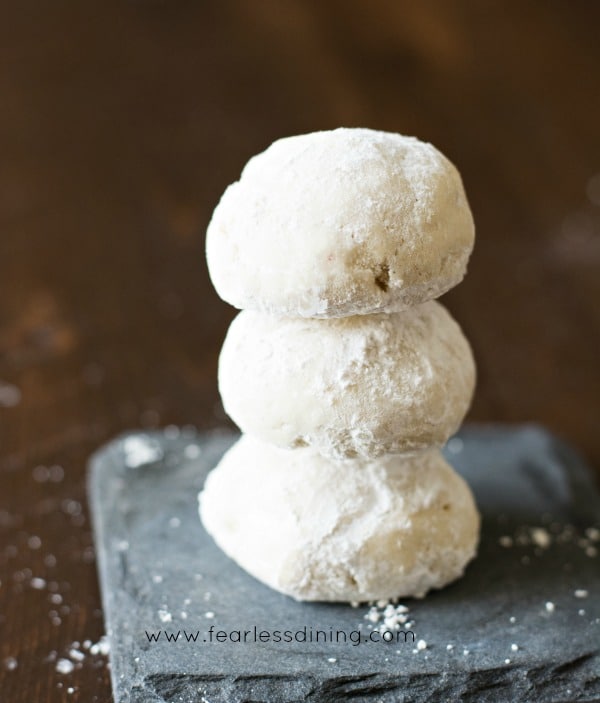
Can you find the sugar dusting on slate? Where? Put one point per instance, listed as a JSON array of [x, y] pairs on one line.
[[141, 450]]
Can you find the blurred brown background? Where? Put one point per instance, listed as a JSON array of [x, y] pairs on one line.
[[120, 126]]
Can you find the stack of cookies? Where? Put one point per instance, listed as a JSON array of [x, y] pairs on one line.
[[344, 375]]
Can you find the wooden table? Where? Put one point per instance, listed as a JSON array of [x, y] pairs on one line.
[[120, 126]]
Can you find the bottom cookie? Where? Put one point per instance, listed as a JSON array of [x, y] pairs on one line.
[[355, 530]]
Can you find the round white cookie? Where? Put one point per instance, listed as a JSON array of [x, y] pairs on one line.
[[354, 386], [342, 222], [325, 530]]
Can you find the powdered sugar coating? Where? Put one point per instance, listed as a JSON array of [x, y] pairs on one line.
[[341, 222], [355, 530], [357, 386]]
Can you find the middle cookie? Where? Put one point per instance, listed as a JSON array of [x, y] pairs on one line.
[[356, 386]]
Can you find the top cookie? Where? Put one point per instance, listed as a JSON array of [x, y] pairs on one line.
[[342, 222]]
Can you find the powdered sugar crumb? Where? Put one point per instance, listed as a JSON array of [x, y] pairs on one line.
[[388, 615], [64, 666], [540, 537], [101, 647], [141, 450], [10, 395], [165, 615], [11, 663]]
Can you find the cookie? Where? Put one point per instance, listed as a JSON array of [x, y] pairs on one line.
[[356, 386], [356, 530], [342, 222]]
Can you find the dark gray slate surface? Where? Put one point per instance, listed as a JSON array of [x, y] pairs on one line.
[[160, 571]]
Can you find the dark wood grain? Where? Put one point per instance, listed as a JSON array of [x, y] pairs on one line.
[[120, 126]]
